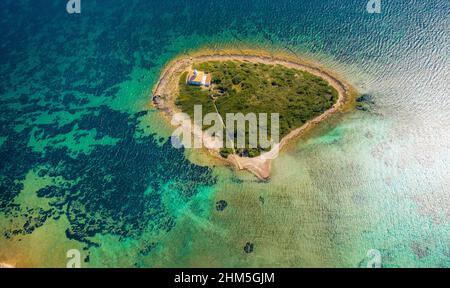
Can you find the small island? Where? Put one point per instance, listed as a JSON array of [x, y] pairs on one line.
[[301, 94], [245, 87]]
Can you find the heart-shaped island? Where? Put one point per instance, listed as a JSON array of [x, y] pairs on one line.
[[244, 106]]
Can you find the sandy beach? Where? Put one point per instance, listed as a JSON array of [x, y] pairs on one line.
[[166, 91]]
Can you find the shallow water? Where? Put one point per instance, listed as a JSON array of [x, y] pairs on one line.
[[84, 167]]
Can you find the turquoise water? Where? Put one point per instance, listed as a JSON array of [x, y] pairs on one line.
[[85, 163]]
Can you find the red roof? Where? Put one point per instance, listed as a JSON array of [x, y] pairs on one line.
[[208, 79]]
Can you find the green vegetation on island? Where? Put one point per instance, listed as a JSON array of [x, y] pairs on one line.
[[246, 87]]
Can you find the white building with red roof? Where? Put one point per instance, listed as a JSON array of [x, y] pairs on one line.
[[199, 78]]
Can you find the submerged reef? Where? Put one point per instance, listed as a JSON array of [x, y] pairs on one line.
[[114, 189]]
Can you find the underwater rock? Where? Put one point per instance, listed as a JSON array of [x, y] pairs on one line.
[[361, 108], [221, 205], [419, 250], [365, 102], [248, 248], [365, 98]]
